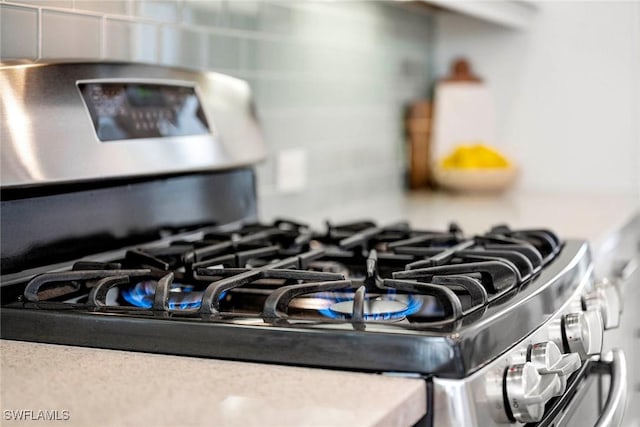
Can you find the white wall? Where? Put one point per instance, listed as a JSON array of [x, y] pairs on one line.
[[567, 91]]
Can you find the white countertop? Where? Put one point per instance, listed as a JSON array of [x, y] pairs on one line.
[[119, 388], [105, 387]]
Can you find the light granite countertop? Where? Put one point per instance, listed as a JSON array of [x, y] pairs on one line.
[[106, 387], [118, 388]]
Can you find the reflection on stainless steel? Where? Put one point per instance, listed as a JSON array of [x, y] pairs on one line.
[[309, 303], [17, 125], [615, 404]]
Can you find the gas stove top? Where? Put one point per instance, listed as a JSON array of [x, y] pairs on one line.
[[358, 296]]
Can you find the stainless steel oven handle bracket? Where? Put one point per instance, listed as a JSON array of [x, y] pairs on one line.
[[614, 406]]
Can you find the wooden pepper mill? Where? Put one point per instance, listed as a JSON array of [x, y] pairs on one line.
[[418, 126]]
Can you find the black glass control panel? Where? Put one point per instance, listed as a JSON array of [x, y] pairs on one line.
[[121, 111]]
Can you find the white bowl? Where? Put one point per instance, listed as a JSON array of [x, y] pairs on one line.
[[493, 180]]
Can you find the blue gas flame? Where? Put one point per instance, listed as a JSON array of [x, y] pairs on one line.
[[414, 304], [181, 297]]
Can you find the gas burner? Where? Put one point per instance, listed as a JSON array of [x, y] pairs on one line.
[[394, 308], [374, 309], [181, 297]]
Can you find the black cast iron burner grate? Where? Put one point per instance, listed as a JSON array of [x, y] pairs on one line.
[[370, 269]]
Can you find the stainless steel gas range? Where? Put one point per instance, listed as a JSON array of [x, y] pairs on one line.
[[129, 222]]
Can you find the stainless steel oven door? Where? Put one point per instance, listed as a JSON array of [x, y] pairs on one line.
[[595, 396]]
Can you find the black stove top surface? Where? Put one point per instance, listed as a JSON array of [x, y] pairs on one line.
[[356, 296]]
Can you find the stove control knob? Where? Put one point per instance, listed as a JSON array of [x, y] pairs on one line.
[[582, 332], [606, 299], [548, 359], [528, 391]]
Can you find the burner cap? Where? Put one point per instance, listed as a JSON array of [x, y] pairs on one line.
[[376, 309]]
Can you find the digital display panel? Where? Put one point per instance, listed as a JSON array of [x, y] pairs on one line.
[[121, 111]]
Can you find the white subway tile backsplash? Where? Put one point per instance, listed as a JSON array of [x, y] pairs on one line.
[[68, 4], [170, 39], [118, 36], [159, 10], [71, 35], [182, 47], [275, 19], [318, 92], [111, 7], [345, 24], [206, 13], [243, 15], [145, 42], [331, 78], [224, 52], [127, 40], [18, 33]]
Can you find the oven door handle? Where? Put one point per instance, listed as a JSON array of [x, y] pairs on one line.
[[614, 406]]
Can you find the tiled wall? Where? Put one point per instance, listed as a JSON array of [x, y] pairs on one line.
[[331, 78]]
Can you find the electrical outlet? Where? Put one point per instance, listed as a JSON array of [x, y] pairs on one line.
[[291, 173]]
